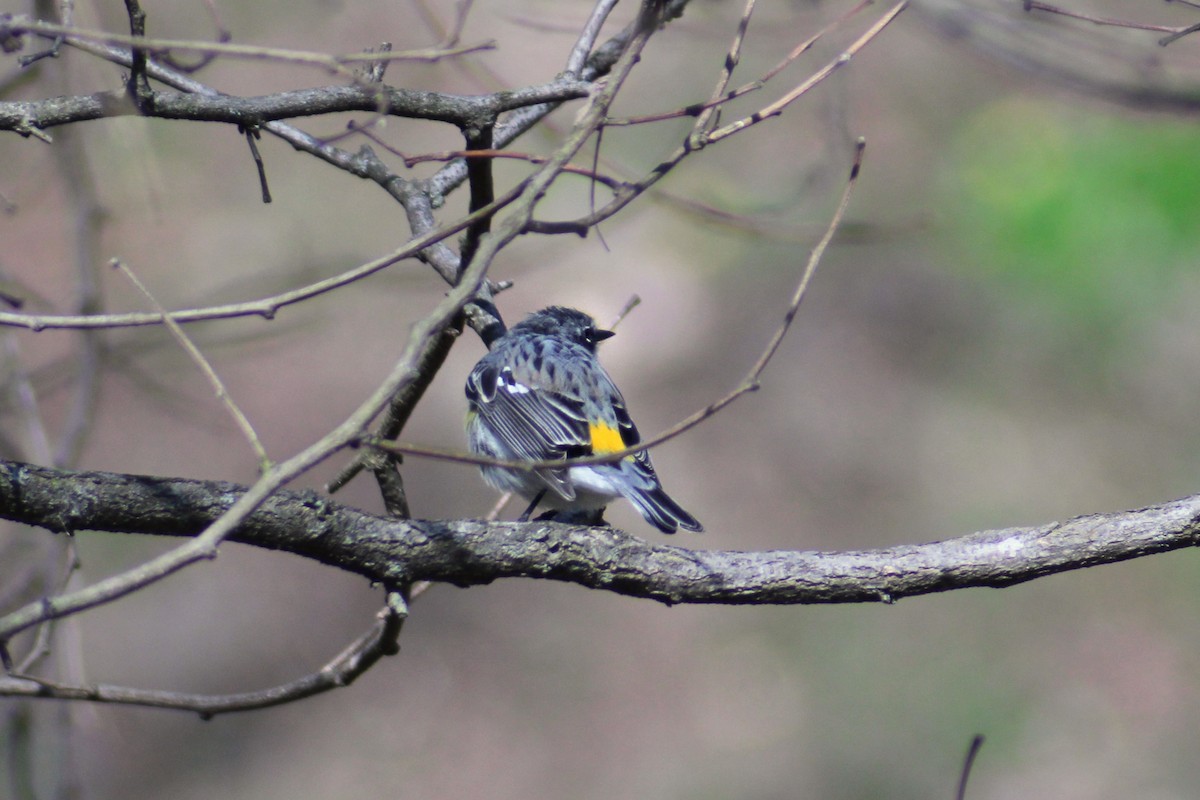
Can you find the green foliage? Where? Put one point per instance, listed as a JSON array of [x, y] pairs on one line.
[[1092, 215]]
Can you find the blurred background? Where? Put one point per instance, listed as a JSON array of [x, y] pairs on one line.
[[1003, 333]]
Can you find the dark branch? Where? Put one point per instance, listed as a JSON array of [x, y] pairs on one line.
[[598, 65], [20, 116], [473, 552]]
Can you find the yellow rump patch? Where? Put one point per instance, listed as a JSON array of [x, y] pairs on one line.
[[605, 439]]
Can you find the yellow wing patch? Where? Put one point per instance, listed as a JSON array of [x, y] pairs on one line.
[[605, 438]]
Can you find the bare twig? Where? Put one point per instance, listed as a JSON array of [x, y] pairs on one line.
[[1179, 34], [710, 113], [633, 302], [968, 763], [64, 12], [224, 35], [1005, 33], [41, 645], [721, 97], [700, 138], [266, 307], [587, 37], [1037, 5], [776, 108], [362, 654], [337, 64], [1174, 32], [18, 383], [512, 155], [193, 352], [252, 137]]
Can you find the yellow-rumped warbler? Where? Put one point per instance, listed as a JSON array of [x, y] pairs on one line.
[[540, 394]]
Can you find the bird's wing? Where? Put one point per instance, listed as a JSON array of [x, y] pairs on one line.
[[627, 436], [532, 422]]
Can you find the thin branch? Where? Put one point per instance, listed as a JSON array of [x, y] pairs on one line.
[[252, 136], [1037, 5], [633, 302], [462, 9], [17, 381], [1179, 34], [417, 202], [364, 163], [266, 307], [709, 116], [40, 648], [776, 108], [206, 369], [391, 486], [587, 37], [224, 36], [719, 98], [451, 155], [700, 138], [362, 654], [968, 764], [335, 64], [1007, 34]]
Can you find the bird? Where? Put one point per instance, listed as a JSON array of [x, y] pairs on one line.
[[541, 394]]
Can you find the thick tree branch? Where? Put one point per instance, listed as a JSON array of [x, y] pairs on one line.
[[473, 552], [20, 116]]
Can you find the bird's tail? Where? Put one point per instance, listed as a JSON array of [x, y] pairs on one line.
[[662, 512]]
